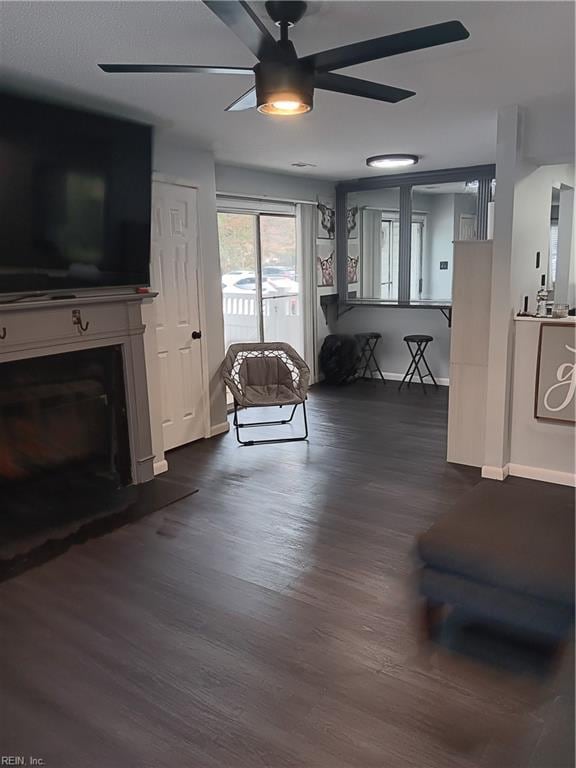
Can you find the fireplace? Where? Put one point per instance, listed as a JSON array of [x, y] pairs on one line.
[[75, 438], [64, 413]]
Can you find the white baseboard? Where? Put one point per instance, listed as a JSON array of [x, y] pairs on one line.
[[544, 475], [495, 473], [219, 429], [400, 376], [160, 466]]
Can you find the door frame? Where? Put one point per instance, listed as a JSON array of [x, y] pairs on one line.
[[308, 308], [179, 181]]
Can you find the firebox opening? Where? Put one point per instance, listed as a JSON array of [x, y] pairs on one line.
[[63, 414]]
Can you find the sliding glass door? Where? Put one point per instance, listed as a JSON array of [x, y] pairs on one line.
[[239, 264], [261, 285]]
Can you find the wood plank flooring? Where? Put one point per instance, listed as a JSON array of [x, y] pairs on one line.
[[268, 620]]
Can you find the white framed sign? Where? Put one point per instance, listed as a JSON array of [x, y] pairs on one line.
[[555, 396]]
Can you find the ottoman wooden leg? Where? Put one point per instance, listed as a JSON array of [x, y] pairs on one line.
[[431, 616]]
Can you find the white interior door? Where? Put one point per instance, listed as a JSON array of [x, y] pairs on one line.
[[174, 274]]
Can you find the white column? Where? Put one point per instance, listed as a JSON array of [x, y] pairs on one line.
[[497, 440]]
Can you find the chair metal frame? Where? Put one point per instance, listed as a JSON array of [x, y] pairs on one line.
[[238, 425], [294, 394]]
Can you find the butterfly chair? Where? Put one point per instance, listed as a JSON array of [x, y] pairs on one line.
[[264, 375]]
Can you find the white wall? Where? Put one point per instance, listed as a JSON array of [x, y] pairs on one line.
[[262, 184], [382, 199], [175, 157], [548, 130]]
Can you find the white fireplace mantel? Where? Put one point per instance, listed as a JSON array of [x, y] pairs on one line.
[[39, 327]]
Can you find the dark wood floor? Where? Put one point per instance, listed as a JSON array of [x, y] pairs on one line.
[[268, 620]]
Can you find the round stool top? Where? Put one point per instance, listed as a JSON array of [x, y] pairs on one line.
[[370, 335], [418, 337]]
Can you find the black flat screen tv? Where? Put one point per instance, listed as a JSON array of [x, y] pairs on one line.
[[75, 190]]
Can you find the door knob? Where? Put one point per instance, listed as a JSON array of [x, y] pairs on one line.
[[196, 334]]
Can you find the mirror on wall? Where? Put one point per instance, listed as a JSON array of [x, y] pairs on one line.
[[372, 226], [561, 268], [441, 214]]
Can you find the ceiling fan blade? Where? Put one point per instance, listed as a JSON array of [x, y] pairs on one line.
[[246, 101], [167, 68], [390, 45], [327, 81], [241, 19]]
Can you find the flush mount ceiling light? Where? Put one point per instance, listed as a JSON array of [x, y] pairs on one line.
[[285, 82], [392, 161]]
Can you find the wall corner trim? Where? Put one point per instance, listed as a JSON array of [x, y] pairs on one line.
[[160, 466], [219, 429], [544, 475], [495, 473]]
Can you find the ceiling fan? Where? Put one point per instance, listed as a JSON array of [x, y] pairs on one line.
[[285, 83]]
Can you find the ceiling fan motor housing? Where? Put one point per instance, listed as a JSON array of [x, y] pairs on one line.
[[285, 11], [284, 81]]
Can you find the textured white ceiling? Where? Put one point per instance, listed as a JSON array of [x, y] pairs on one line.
[[517, 52]]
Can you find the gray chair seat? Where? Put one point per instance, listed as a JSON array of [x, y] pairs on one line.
[[267, 394]]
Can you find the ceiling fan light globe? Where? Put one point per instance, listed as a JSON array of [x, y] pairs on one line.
[[284, 104]]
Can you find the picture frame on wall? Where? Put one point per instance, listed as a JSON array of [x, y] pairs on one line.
[[353, 263], [555, 391], [326, 224], [352, 216], [325, 265]]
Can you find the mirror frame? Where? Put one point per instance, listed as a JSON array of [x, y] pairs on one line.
[[405, 181]]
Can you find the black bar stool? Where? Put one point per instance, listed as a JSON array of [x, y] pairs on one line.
[[368, 363], [420, 343]]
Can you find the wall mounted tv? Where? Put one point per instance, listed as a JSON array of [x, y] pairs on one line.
[[74, 199]]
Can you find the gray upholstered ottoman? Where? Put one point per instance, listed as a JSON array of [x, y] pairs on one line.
[[504, 553]]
